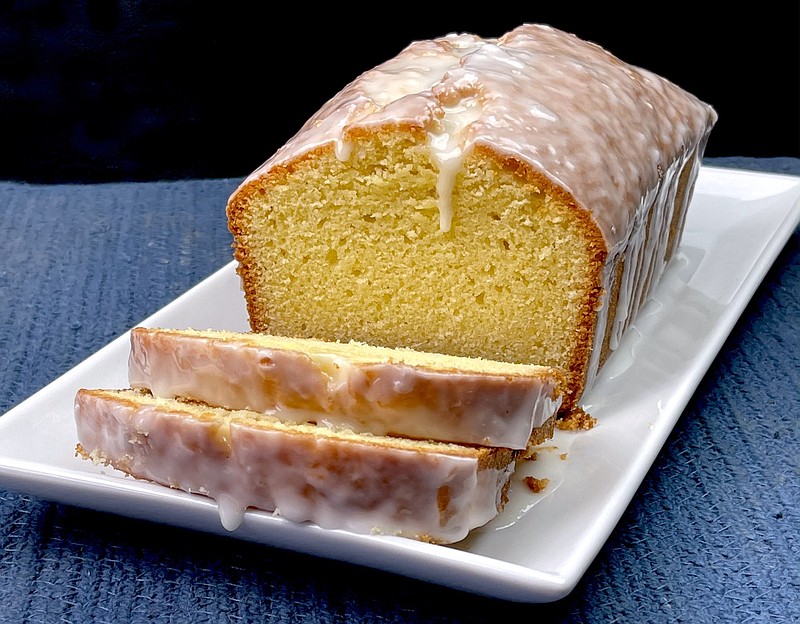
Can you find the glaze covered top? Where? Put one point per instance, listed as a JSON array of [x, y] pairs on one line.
[[602, 129]]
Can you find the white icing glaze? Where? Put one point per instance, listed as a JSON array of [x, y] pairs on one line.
[[309, 474], [231, 511], [613, 137], [448, 153], [379, 397], [596, 126]]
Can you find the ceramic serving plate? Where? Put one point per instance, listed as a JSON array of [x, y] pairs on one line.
[[542, 543]]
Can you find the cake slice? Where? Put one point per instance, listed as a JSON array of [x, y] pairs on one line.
[[368, 389], [336, 479], [513, 198]]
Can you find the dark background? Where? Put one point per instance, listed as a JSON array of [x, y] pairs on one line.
[[97, 90]]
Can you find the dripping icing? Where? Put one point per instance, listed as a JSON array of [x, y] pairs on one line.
[[447, 148], [434, 74], [231, 511]]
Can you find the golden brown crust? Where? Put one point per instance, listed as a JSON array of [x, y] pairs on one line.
[[543, 433], [535, 485], [683, 197], [612, 301], [577, 368], [576, 420]]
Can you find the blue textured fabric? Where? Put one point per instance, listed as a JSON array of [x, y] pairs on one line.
[[712, 535]]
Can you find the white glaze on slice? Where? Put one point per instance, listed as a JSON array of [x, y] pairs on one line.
[[363, 484], [373, 390]]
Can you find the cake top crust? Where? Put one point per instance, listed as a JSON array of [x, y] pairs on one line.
[[604, 130]]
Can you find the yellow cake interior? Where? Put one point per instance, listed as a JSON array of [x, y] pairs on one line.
[[354, 250]]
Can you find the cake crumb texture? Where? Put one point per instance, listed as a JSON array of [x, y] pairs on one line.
[[536, 485]]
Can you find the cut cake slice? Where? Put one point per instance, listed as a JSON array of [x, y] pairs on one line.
[[368, 389], [336, 479]]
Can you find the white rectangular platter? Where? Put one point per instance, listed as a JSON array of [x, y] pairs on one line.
[[541, 545]]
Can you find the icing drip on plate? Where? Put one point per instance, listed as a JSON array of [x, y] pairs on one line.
[[231, 511]]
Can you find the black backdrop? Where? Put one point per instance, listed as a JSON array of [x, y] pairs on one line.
[[97, 90]]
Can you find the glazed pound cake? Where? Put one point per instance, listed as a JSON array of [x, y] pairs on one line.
[[513, 199], [367, 389], [336, 479]]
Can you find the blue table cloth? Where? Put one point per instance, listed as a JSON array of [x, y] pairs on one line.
[[712, 535]]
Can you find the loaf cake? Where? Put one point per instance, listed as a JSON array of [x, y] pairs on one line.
[[513, 198], [367, 389], [336, 479]]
